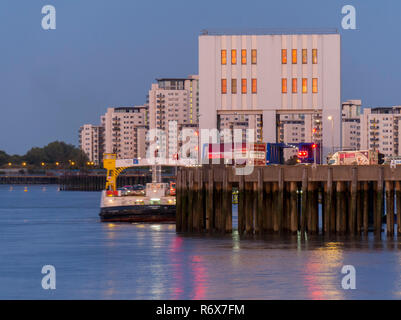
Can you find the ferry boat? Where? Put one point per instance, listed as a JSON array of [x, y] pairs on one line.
[[156, 203]]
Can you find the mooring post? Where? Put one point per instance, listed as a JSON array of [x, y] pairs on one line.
[[294, 207], [178, 202], [304, 206], [398, 204], [389, 208], [354, 200]]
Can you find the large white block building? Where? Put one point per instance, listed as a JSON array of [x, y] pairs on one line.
[[271, 74]]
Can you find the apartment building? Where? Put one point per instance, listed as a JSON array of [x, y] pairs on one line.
[[91, 142], [270, 73], [173, 106], [351, 125], [380, 130], [125, 131]]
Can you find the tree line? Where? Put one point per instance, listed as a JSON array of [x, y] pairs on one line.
[[55, 154]]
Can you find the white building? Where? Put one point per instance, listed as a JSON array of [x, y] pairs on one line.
[[91, 142], [174, 105], [351, 125], [270, 74], [125, 131], [380, 130]]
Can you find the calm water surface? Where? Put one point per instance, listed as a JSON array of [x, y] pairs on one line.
[[96, 260]]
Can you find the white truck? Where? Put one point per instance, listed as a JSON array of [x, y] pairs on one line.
[[360, 158]]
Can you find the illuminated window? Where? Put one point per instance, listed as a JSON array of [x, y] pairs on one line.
[[284, 56], [294, 56], [243, 56], [234, 86], [304, 85], [304, 56], [253, 56], [294, 85], [314, 56], [223, 56], [284, 85], [254, 86], [243, 86], [233, 56], [314, 85], [223, 86]]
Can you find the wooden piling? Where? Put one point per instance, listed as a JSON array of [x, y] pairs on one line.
[[227, 203], [184, 202], [379, 204], [304, 205], [365, 196], [328, 201], [241, 205], [178, 217], [259, 213], [390, 207], [268, 212], [398, 205], [249, 203], [294, 207], [280, 199], [191, 207], [209, 201], [354, 201]]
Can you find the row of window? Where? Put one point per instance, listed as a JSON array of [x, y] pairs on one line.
[[294, 56], [234, 56], [294, 83], [244, 86], [284, 86]]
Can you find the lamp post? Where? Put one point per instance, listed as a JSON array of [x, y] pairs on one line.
[[330, 118]]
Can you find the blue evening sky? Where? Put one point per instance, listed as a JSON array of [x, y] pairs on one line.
[[107, 53]]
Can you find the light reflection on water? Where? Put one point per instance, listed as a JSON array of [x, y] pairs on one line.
[[141, 261]]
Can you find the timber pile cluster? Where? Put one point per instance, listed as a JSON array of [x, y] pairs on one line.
[[279, 199]]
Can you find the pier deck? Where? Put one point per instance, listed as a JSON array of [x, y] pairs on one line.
[[275, 199]]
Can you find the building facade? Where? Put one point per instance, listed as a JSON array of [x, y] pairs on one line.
[[173, 106], [351, 125], [91, 142], [380, 130], [270, 74], [125, 131]]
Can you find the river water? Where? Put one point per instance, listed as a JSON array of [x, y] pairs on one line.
[[95, 260]]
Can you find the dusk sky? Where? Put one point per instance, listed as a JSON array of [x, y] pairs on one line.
[[106, 53]]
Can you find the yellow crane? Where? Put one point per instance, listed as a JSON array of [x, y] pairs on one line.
[[109, 163]]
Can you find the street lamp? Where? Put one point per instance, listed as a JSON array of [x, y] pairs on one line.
[[330, 118]]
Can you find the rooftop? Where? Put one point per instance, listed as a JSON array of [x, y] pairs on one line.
[[267, 31]]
